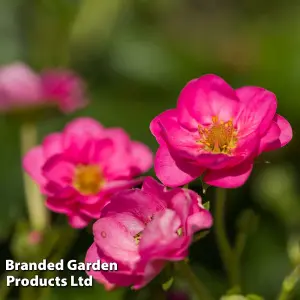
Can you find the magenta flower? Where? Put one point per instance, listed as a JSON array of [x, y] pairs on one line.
[[81, 167], [65, 88], [141, 230], [19, 87], [22, 88], [217, 132]]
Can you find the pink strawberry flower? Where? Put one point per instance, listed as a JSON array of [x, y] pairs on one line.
[[65, 88], [79, 168], [142, 229], [22, 88], [19, 87], [216, 132]]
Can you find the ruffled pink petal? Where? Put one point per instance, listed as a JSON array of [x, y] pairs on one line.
[[134, 202], [199, 221], [78, 220], [118, 185], [115, 241], [152, 186], [183, 142], [142, 158], [152, 269], [19, 86], [64, 87], [258, 111], [52, 144], [33, 162], [93, 151], [59, 205], [80, 130], [168, 171], [58, 170], [92, 256], [160, 239], [118, 165], [92, 210], [206, 97], [271, 139], [286, 132], [187, 205], [156, 125], [120, 137], [229, 178]]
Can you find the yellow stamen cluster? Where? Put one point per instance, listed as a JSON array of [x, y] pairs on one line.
[[138, 237], [88, 179], [220, 137]]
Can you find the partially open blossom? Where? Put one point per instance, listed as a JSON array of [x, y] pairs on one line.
[[22, 88], [19, 87], [142, 229], [216, 132], [65, 88], [34, 237], [79, 168]]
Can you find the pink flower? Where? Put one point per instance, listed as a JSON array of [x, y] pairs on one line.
[[217, 132], [22, 88], [64, 87], [141, 230], [81, 167], [19, 87]]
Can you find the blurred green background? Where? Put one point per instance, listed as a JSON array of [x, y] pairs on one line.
[[136, 56]]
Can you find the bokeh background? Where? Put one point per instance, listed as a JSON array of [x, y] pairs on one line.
[[136, 56]]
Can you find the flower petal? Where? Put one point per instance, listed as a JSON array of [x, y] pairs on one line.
[[160, 239], [229, 178], [271, 139], [115, 241], [142, 158], [58, 170], [64, 87], [19, 86], [156, 125], [92, 256], [52, 144], [135, 202], [33, 162], [286, 132], [206, 97], [80, 130], [258, 111], [168, 171], [78, 220]]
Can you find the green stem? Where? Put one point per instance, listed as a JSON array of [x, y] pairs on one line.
[[226, 252], [4, 289], [37, 211], [65, 244], [289, 284], [198, 287]]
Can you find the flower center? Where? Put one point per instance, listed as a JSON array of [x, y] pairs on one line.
[[138, 237], [220, 137], [88, 179]]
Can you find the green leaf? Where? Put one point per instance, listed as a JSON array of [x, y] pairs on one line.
[[167, 285], [206, 205]]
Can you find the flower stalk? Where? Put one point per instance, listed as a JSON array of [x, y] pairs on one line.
[[229, 259], [37, 211], [196, 285], [289, 284]]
